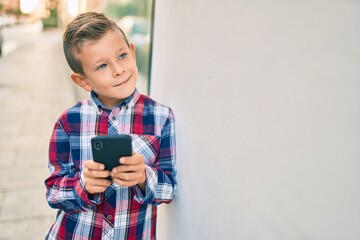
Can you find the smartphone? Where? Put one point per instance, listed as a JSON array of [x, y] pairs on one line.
[[108, 149]]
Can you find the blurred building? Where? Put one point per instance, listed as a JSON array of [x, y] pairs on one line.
[[10, 4], [68, 9], [21, 9], [42, 9]]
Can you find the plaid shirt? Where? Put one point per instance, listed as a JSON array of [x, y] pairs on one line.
[[119, 212]]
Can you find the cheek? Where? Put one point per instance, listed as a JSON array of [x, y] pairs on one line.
[[102, 79], [132, 64], [134, 81]]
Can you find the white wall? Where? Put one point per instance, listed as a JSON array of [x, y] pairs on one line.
[[267, 101]]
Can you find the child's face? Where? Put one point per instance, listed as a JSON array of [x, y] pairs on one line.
[[110, 68]]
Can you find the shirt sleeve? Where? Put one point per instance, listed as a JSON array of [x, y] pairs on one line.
[[161, 184], [65, 186]]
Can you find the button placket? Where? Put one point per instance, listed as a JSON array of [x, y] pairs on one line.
[[109, 206], [115, 114]]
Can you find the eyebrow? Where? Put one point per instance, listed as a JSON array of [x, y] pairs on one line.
[[120, 49], [95, 64]]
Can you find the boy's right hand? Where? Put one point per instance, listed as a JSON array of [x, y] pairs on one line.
[[95, 177]]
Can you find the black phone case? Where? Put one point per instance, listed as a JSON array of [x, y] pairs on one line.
[[108, 149]]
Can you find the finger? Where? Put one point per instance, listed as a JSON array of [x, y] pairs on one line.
[[134, 159], [126, 168], [100, 174], [122, 168], [124, 183], [90, 164], [100, 182], [96, 174], [95, 189], [129, 168], [128, 176]]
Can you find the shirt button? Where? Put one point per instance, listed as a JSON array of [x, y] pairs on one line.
[[109, 217], [113, 118]]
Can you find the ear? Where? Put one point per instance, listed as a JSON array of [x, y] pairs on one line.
[[81, 81], [132, 50]]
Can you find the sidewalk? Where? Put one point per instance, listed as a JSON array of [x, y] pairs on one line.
[[34, 89]]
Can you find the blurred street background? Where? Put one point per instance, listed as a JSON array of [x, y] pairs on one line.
[[35, 88]]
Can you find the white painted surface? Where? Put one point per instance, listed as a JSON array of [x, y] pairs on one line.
[[267, 101]]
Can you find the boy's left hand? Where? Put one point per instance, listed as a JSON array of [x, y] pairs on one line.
[[130, 172]]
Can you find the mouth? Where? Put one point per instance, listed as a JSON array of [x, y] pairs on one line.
[[122, 83]]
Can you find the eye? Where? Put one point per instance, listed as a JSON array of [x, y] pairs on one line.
[[102, 66], [122, 56]]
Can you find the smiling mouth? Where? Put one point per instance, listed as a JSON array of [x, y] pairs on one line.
[[122, 83]]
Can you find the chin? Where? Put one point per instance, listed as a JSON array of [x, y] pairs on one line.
[[128, 92]]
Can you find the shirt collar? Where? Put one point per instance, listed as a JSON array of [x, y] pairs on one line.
[[128, 102]]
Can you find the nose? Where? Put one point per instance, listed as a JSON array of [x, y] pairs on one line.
[[118, 70]]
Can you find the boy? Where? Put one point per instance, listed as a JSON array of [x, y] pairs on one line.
[[91, 206]]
